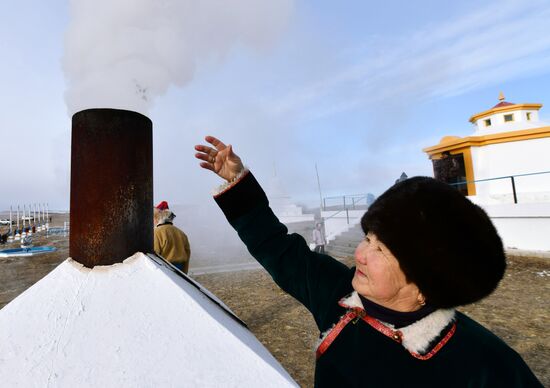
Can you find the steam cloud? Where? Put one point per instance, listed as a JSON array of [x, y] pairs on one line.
[[124, 53]]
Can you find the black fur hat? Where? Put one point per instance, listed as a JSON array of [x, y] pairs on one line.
[[444, 243]]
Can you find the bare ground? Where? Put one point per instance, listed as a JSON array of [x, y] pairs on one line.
[[517, 312]]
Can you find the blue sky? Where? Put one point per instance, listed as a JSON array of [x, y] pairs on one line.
[[357, 87]]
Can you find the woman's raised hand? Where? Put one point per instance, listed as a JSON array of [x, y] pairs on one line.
[[220, 158]]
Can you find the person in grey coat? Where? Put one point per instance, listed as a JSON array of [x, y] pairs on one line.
[[319, 238]]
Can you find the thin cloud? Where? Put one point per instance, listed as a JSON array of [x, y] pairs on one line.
[[504, 41]]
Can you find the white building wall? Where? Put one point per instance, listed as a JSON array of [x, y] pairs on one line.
[[513, 158], [340, 221], [498, 124], [522, 226]]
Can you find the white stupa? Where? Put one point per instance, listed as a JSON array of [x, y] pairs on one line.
[[139, 323], [281, 203]]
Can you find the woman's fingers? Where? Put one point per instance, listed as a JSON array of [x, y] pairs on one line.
[[206, 153], [205, 157], [215, 142], [207, 150], [221, 159], [207, 166]]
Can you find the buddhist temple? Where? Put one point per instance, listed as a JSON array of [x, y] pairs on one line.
[[503, 166]]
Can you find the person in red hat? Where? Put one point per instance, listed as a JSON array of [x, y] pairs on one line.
[[170, 242], [162, 205]]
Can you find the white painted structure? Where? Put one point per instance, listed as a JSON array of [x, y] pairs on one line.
[[134, 324], [508, 140], [524, 116], [337, 222], [521, 150], [281, 204], [507, 159], [522, 226]]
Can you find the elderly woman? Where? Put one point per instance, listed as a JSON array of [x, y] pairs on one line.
[[390, 321]]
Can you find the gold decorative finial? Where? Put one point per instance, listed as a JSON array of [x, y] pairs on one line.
[[501, 96]]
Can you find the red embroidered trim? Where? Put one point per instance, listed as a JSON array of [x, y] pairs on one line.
[[396, 335], [323, 346], [440, 344]]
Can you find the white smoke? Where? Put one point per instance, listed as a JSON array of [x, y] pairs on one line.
[[124, 53]]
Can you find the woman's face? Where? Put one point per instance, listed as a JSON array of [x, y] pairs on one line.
[[379, 278]]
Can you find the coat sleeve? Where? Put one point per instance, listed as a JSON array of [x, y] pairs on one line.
[[313, 279]]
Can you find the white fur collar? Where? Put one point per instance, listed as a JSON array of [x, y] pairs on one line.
[[352, 300], [227, 185], [417, 336]]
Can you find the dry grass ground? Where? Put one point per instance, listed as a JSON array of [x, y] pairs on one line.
[[517, 312]]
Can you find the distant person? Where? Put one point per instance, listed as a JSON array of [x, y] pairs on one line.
[[319, 238], [170, 242], [26, 242]]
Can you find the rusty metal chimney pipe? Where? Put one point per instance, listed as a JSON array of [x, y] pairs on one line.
[[111, 186]]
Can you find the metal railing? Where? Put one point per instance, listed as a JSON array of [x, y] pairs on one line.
[[344, 203], [347, 201], [511, 177], [335, 214]]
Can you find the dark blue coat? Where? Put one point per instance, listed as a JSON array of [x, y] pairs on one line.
[[361, 356]]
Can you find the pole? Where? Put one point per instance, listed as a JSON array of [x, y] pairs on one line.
[[29, 219], [319, 187], [17, 231], [10, 233], [514, 189]]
